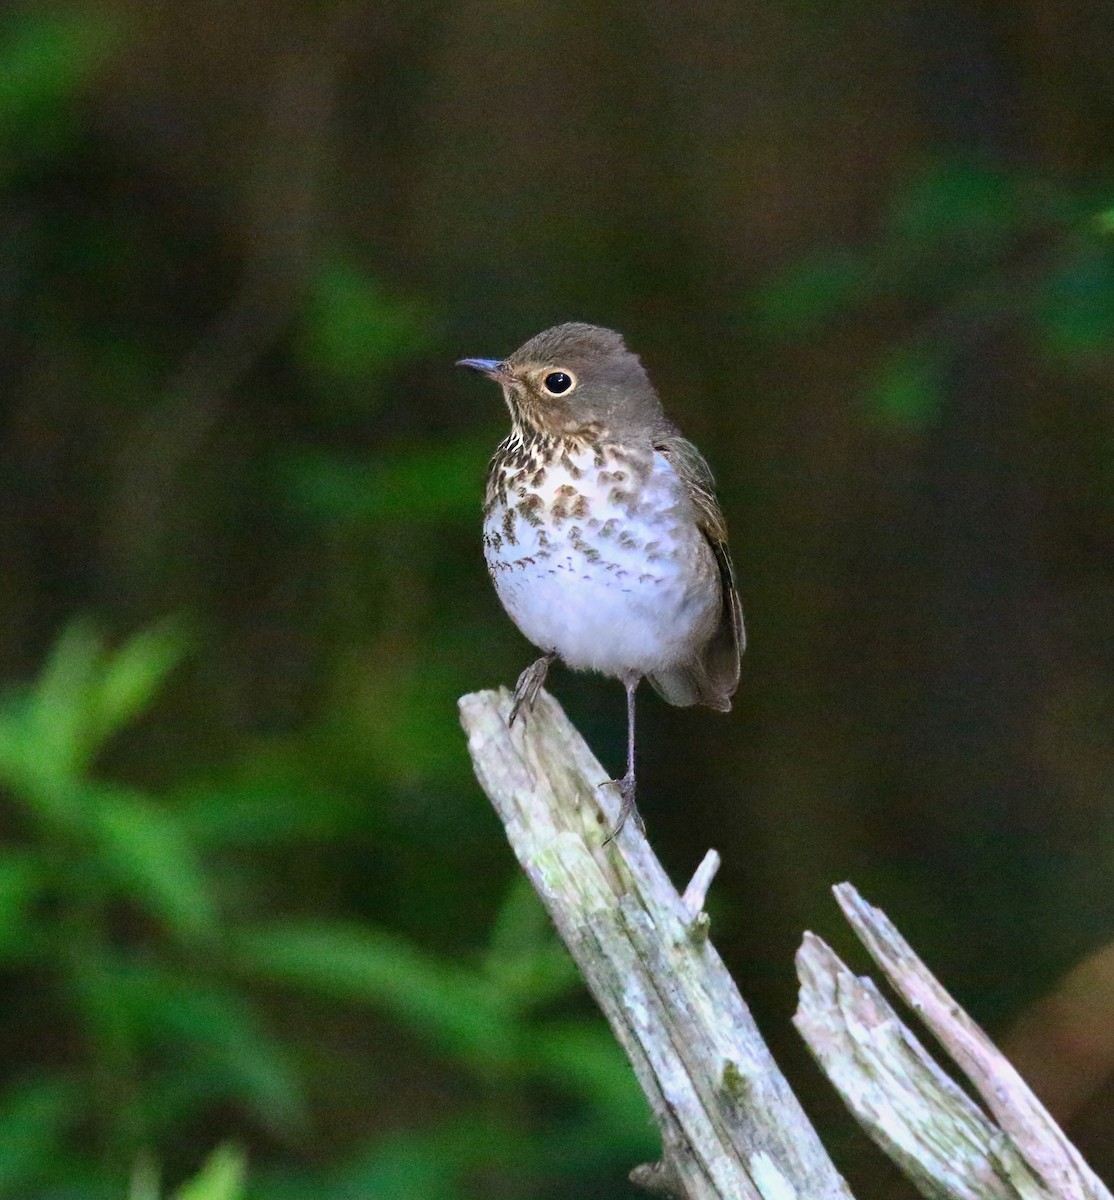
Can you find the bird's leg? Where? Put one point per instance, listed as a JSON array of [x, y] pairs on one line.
[[626, 784], [529, 684]]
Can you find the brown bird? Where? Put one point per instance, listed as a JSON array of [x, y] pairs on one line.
[[602, 531]]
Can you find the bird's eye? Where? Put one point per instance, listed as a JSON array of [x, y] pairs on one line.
[[558, 382]]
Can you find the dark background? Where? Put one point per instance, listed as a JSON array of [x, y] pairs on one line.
[[250, 894]]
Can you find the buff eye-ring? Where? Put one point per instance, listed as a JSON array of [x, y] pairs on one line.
[[557, 383]]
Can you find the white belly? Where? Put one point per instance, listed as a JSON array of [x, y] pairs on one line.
[[609, 570]]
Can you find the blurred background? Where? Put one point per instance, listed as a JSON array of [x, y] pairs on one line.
[[254, 911]]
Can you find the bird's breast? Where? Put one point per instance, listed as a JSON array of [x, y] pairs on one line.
[[595, 553]]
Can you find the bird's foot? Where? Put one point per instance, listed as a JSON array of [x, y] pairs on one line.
[[627, 808], [529, 684]]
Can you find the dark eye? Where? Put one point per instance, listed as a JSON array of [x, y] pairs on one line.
[[557, 382]]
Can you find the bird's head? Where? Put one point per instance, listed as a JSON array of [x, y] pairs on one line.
[[575, 379]]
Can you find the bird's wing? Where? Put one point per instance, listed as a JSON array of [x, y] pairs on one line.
[[720, 661]]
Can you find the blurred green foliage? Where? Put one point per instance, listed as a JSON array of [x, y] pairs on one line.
[[221, 1178], [351, 331], [47, 55], [114, 900], [964, 244], [250, 897], [146, 926], [414, 486]]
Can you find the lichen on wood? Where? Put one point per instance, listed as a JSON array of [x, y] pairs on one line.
[[731, 1128]]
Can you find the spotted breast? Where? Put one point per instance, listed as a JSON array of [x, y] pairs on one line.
[[596, 554]]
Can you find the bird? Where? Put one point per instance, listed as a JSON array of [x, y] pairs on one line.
[[603, 534]]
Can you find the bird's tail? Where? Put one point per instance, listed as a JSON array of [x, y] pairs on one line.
[[691, 683]]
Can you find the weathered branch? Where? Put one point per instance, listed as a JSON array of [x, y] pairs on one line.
[[931, 1129], [730, 1126]]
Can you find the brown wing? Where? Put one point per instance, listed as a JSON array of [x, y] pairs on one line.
[[713, 678]]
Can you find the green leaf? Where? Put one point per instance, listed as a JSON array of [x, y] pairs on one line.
[[150, 859], [200, 1043], [227, 1054], [526, 961], [955, 201], [62, 698], [404, 702], [1103, 221], [21, 883], [352, 328], [36, 769], [407, 1168], [413, 485], [437, 1161], [221, 1178], [267, 812], [35, 1117], [131, 678], [50, 732], [1075, 307], [585, 1058], [907, 393], [452, 1007], [83, 696], [520, 924], [810, 292], [47, 54]]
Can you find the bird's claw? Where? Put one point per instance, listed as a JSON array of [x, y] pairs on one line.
[[627, 808], [528, 686]]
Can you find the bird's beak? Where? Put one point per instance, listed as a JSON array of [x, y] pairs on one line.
[[491, 367]]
